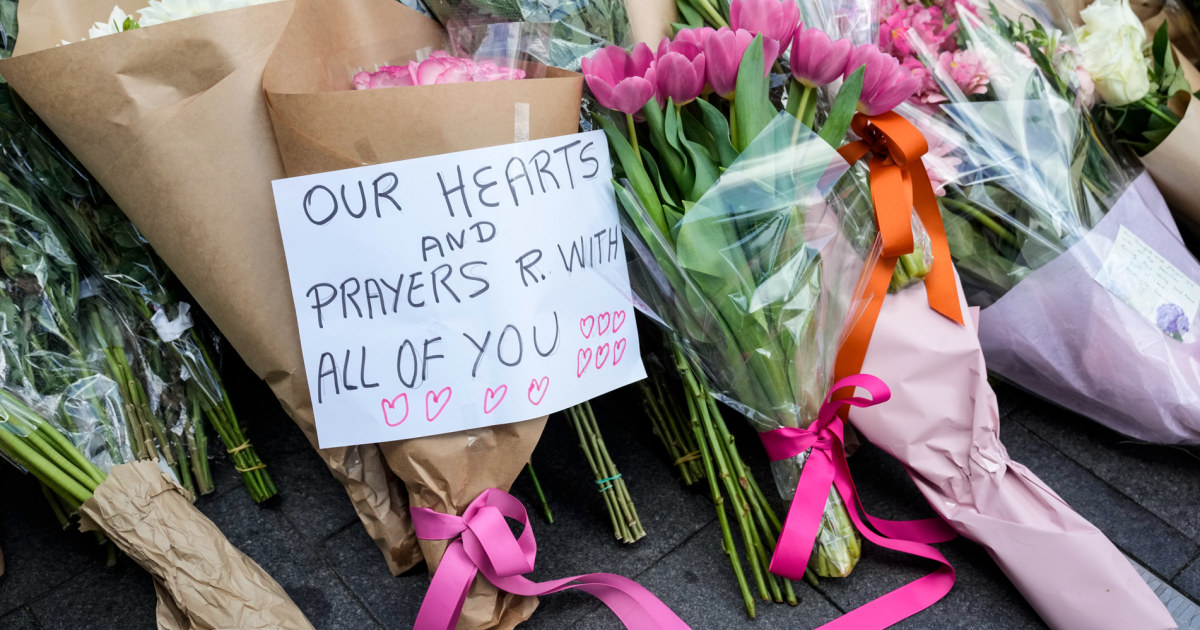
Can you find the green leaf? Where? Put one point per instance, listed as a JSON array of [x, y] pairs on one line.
[[634, 171], [705, 169], [673, 132], [656, 176], [845, 104], [1163, 63], [695, 131], [715, 121], [688, 14], [670, 157], [751, 104]]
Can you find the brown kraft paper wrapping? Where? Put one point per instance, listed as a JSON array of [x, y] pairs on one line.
[[203, 582], [651, 20], [1174, 165], [322, 125], [170, 119]]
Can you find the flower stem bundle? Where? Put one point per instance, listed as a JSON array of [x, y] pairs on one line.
[[627, 527], [103, 244]]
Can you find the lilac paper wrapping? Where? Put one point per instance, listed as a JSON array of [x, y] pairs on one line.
[[942, 423], [1062, 336]]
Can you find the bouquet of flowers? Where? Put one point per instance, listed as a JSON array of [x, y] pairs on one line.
[[202, 580], [781, 257], [574, 30], [188, 154], [323, 124], [1035, 202], [1142, 93]]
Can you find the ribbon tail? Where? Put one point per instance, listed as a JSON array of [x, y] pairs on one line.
[[448, 591], [803, 520], [632, 603], [909, 599], [939, 283], [873, 287]]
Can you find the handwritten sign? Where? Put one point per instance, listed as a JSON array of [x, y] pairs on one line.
[[460, 290], [1143, 279]]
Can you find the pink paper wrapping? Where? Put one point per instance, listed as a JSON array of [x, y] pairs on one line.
[[1063, 336], [942, 423]]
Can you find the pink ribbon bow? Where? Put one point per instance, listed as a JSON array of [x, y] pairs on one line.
[[483, 543], [826, 468]]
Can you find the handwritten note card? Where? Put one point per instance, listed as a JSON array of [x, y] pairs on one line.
[[460, 290], [1143, 279]]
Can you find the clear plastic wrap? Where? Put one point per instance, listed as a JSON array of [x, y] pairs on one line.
[[575, 29], [1029, 197], [184, 386], [758, 279]]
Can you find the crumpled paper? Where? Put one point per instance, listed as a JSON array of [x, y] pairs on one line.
[[171, 120], [942, 423], [322, 125], [203, 582]]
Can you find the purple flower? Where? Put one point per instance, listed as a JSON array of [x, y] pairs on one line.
[[1172, 320]]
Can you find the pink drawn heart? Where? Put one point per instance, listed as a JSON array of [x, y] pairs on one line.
[[602, 321], [495, 396], [619, 350], [618, 320], [586, 325], [601, 355], [432, 398], [582, 359], [391, 404], [539, 387]]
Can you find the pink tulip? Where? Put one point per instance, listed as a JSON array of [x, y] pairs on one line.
[[621, 81], [698, 36], [816, 60], [773, 19], [679, 69], [723, 55], [885, 83]]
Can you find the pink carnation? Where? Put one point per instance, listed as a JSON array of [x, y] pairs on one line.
[[966, 69], [928, 91]]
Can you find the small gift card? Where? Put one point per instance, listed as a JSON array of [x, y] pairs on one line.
[[1149, 283]]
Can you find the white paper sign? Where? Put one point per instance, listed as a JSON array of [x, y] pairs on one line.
[[1143, 279], [460, 290]]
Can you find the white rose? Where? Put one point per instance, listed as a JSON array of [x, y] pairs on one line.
[[1110, 16], [1111, 50]]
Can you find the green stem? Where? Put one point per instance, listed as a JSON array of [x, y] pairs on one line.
[[633, 141], [692, 391], [537, 488], [982, 218]]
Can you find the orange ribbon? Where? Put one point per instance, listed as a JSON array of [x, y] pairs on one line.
[[899, 184]]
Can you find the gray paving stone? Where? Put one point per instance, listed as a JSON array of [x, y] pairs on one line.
[[393, 601], [1164, 480], [1188, 580], [581, 540], [696, 582], [22, 619], [289, 557], [1185, 611], [1139, 532], [313, 501], [38, 554], [118, 597]]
